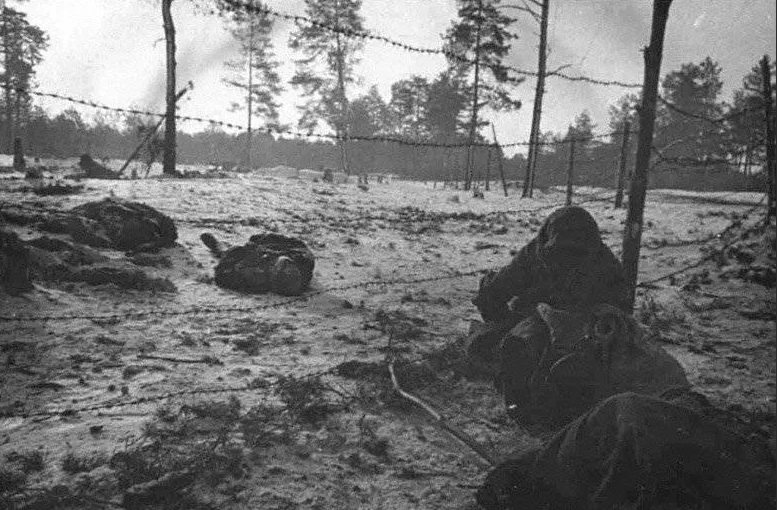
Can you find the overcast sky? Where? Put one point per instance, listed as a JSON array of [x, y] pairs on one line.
[[112, 51]]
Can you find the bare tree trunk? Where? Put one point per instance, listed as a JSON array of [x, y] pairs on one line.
[[488, 170], [168, 159], [250, 98], [748, 157], [343, 124], [499, 159], [570, 171], [534, 136], [7, 83], [632, 232], [474, 118], [622, 165], [771, 178]]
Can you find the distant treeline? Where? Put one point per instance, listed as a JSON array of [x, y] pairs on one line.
[[596, 162]]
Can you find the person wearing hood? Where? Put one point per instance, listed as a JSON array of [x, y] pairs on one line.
[[566, 266]]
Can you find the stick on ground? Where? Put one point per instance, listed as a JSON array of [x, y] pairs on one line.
[[462, 436]]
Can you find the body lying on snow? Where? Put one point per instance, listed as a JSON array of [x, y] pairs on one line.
[[636, 451], [267, 263], [566, 266], [560, 336]]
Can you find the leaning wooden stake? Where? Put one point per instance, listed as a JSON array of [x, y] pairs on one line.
[[622, 165], [570, 170], [152, 131], [632, 232]]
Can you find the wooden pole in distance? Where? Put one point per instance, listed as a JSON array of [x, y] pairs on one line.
[[622, 165], [499, 159], [570, 170], [488, 170]]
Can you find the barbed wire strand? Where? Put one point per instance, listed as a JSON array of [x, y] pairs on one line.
[[364, 34], [333, 370], [275, 130], [198, 310], [713, 120]]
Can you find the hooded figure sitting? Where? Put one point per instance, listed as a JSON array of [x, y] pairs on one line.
[[566, 266]]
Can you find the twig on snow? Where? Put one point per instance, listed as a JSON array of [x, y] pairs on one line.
[[439, 420]]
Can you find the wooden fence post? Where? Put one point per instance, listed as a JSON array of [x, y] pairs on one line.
[[499, 159], [570, 170], [488, 169], [622, 165], [632, 232]]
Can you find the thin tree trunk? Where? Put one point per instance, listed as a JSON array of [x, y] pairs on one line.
[[570, 171], [499, 156], [488, 170], [250, 97], [343, 124], [168, 159], [632, 232], [474, 119], [622, 165], [7, 82], [534, 136], [771, 178]]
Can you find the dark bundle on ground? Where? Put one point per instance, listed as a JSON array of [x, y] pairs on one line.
[[57, 188], [119, 224], [636, 451], [267, 263], [95, 170], [14, 264]]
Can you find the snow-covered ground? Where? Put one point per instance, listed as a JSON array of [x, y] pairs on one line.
[[392, 232]]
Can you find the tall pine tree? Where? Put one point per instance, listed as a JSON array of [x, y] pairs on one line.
[[255, 74], [327, 67], [22, 45], [477, 43]]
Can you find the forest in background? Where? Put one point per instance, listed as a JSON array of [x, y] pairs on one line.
[[706, 143]]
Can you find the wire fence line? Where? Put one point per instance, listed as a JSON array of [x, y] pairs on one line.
[[448, 53], [257, 384], [713, 120], [274, 130], [200, 310], [262, 383], [454, 274]]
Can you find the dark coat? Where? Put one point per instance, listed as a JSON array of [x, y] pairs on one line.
[[636, 451], [566, 266]]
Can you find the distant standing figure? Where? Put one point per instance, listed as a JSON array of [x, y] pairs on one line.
[[18, 155]]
